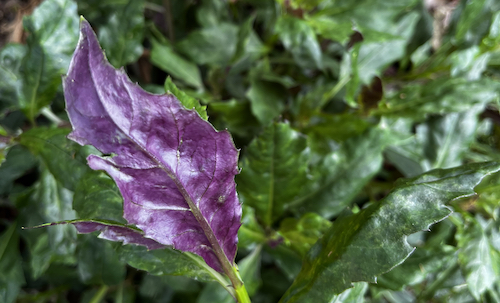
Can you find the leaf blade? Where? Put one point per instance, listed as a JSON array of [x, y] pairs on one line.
[[272, 157], [346, 252], [161, 150]]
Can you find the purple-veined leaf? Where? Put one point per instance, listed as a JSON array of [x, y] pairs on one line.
[[174, 170]]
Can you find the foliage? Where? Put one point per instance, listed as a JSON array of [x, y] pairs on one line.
[[367, 133]]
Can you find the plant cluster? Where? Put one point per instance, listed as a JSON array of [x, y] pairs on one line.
[[273, 151]]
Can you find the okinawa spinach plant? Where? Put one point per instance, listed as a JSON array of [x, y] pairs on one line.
[[176, 175], [353, 157]]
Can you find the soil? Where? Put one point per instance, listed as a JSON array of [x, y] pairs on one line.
[[11, 19]]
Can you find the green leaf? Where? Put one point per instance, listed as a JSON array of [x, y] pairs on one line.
[[375, 53], [251, 232], [362, 246], [338, 127], [168, 261], [213, 46], [445, 95], [301, 234], [249, 268], [418, 267], [331, 29], [234, 116], [352, 295], [266, 99], [469, 63], [5, 143], [493, 38], [249, 46], [288, 261], [121, 36], [42, 254], [18, 161], [263, 70], [48, 202], [474, 20], [98, 263], [300, 40], [439, 142], [186, 100], [53, 34], [270, 160], [10, 83], [212, 12], [489, 195], [339, 175], [97, 197], [163, 56], [59, 154], [479, 254], [12, 277], [301, 4], [361, 12], [379, 49], [445, 139]]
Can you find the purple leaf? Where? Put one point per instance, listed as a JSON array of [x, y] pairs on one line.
[[113, 231], [174, 170]]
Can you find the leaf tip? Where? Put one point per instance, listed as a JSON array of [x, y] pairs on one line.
[[41, 225]]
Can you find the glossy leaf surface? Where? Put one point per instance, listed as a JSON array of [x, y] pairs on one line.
[[340, 174], [163, 56], [299, 39], [123, 33], [48, 56], [439, 142], [174, 170], [364, 245], [479, 255]]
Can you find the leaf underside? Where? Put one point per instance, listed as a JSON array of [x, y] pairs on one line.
[[174, 170]]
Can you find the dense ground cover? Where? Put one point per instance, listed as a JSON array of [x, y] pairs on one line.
[[368, 131]]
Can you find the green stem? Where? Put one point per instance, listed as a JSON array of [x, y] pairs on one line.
[[241, 291], [99, 294], [119, 294], [242, 295], [51, 116], [217, 276], [335, 90]]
